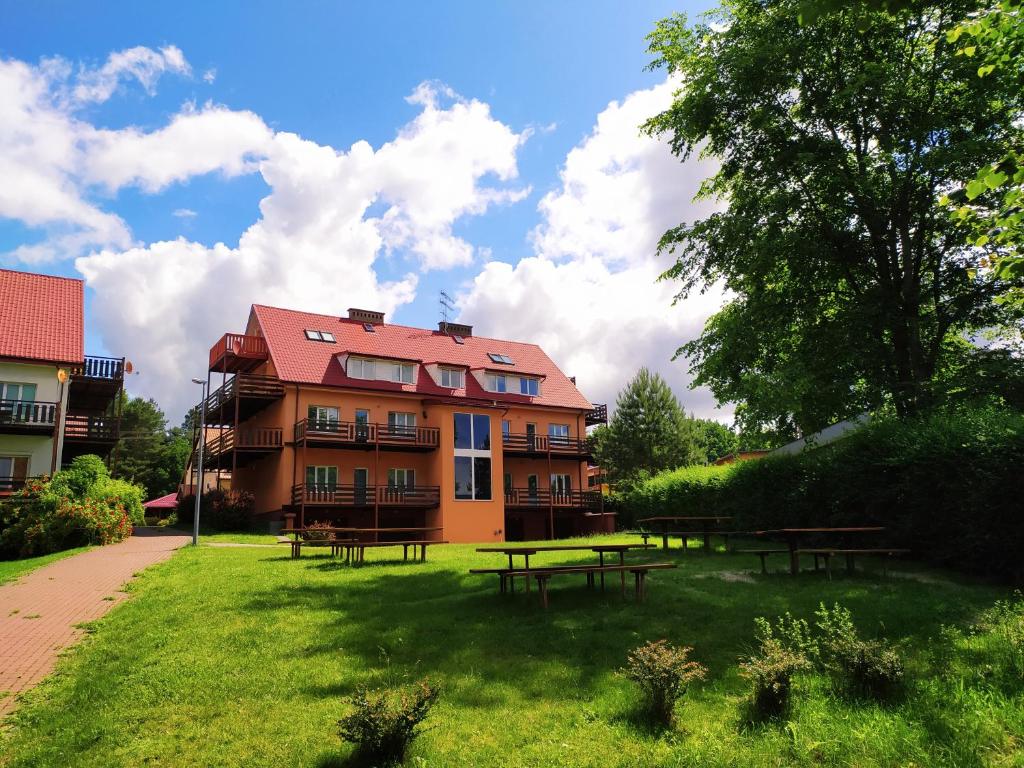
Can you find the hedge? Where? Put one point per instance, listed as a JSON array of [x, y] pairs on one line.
[[948, 486]]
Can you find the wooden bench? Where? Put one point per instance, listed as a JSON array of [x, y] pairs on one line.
[[298, 544], [355, 551], [763, 554], [543, 575], [827, 553]]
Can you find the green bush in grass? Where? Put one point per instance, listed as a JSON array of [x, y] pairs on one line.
[[771, 671], [382, 723], [663, 673]]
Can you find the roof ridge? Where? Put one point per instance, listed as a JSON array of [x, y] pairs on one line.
[[43, 274]]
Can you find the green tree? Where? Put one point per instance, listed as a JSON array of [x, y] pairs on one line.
[[716, 440], [649, 431], [835, 137], [148, 453]]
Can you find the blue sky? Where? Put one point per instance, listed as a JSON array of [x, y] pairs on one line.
[[336, 74]]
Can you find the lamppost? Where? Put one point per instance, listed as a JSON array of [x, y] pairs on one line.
[[199, 468]]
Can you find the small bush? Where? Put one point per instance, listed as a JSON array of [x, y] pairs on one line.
[[771, 671], [318, 531], [219, 510], [384, 722], [867, 668], [663, 673], [1002, 626]]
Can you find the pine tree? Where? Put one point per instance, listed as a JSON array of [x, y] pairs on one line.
[[649, 431]]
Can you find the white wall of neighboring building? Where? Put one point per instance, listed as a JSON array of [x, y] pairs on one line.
[[825, 436], [39, 449]]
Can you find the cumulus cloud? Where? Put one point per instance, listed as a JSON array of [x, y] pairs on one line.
[[589, 296], [139, 63], [317, 242]]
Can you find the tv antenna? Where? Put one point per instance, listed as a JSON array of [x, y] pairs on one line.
[[447, 307]]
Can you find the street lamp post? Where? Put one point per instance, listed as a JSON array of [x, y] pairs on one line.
[[199, 467]]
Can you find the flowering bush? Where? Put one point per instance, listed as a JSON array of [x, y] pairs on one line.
[[663, 673], [80, 505], [382, 723]]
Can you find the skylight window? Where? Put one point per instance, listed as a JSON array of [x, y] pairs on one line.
[[459, 339], [327, 336], [313, 335], [503, 359], [368, 327]]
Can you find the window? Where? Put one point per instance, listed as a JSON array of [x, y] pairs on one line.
[[496, 382], [451, 377], [506, 430], [459, 339], [401, 372], [313, 335], [360, 368], [404, 479], [368, 327], [561, 486], [558, 434], [12, 391], [402, 424], [503, 359], [327, 336], [322, 418], [13, 471], [508, 483], [322, 478], [472, 456], [529, 387]]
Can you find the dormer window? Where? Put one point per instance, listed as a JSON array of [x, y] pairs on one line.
[[529, 387], [360, 368], [402, 373], [451, 378], [502, 359], [496, 382]]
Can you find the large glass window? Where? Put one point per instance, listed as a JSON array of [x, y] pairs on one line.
[[451, 377], [559, 434], [322, 478], [402, 478], [322, 417], [529, 387], [12, 391], [496, 382], [402, 372], [359, 368], [472, 456], [402, 424]]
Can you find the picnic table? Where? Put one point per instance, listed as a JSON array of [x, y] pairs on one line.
[[526, 551], [794, 536], [706, 525], [355, 549]]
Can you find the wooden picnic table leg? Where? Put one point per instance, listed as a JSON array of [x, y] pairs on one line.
[[707, 540], [664, 541], [600, 558], [423, 553], [622, 573], [764, 562], [794, 558], [828, 566], [686, 543], [849, 563], [526, 578], [542, 584], [405, 552]]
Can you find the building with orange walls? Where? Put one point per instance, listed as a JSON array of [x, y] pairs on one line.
[[368, 424]]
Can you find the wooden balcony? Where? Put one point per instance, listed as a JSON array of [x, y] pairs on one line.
[[95, 383], [244, 394], [237, 352], [541, 445], [527, 498], [240, 447], [599, 415], [100, 368], [352, 496], [91, 428], [27, 417], [328, 433]]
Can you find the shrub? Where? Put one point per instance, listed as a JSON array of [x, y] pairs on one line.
[[318, 531], [120, 493], [384, 722], [1002, 627], [945, 485], [82, 474], [867, 668], [663, 673], [771, 671], [219, 510]]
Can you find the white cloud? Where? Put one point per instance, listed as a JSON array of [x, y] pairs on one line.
[[316, 244], [210, 75], [589, 295], [184, 213], [143, 64]]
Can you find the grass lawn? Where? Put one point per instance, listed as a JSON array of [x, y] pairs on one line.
[[241, 657], [12, 569]]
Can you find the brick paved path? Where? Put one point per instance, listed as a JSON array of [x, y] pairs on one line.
[[38, 612]]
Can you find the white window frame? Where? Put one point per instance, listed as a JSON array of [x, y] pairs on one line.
[[362, 368], [324, 413], [493, 380], [405, 473], [402, 424], [6, 388], [452, 378], [561, 483], [526, 384], [475, 453], [402, 373], [316, 471]]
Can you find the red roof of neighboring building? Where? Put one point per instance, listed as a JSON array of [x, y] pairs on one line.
[[43, 317], [170, 501], [298, 359]]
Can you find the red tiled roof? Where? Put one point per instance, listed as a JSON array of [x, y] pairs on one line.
[[300, 360], [170, 501], [42, 318]]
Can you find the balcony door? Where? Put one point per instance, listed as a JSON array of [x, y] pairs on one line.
[[561, 488], [321, 480], [362, 425], [402, 425], [323, 418], [531, 488], [558, 435], [531, 437], [360, 477]]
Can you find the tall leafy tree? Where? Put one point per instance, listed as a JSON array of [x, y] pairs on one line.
[[649, 431], [147, 452], [715, 439], [836, 138]]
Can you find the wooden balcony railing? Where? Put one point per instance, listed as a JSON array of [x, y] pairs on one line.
[[104, 368], [251, 385], [90, 428], [237, 345], [27, 415], [365, 496], [244, 439], [545, 498], [526, 443], [361, 435], [599, 415]]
